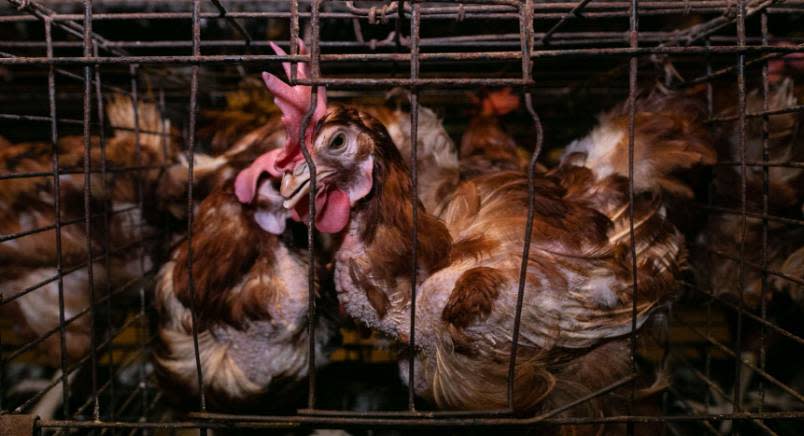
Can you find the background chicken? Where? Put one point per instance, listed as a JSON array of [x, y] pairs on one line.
[[234, 136], [726, 237], [578, 287], [719, 243], [122, 242], [28, 204], [485, 145]]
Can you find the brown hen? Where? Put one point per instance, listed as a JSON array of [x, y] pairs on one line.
[[576, 315], [246, 275]]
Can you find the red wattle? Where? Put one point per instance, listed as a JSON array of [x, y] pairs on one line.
[[331, 210]]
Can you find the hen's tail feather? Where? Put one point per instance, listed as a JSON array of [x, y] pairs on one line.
[[669, 136]]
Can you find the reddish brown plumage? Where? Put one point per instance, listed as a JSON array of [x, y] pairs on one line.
[[250, 293], [228, 245], [473, 296], [437, 158]]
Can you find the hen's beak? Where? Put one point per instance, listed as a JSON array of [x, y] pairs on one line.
[[296, 185]]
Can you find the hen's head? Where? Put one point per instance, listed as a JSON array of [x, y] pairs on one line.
[[348, 148], [254, 184], [343, 145]]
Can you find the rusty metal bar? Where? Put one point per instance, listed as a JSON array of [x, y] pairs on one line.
[[525, 40], [312, 271], [685, 402], [718, 390], [792, 392], [118, 170], [775, 218], [728, 70], [768, 164], [54, 138], [741, 126], [415, 23], [294, 38], [498, 10], [11, 236], [106, 215], [764, 113], [483, 40], [755, 266], [193, 108], [223, 13], [710, 103], [253, 422], [39, 118], [494, 56], [575, 12], [633, 70], [87, 106]]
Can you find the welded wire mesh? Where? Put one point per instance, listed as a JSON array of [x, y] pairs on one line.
[[61, 60]]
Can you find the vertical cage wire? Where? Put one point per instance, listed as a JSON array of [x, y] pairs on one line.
[[414, 194], [633, 65], [311, 279], [190, 158], [87, 204]]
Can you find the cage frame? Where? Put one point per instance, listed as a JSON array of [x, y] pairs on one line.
[[531, 49]]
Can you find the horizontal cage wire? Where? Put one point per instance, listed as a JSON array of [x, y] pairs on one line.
[[165, 266]]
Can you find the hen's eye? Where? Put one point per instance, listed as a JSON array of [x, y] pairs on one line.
[[337, 142]]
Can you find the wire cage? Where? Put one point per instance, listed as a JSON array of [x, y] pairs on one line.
[[734, 336]]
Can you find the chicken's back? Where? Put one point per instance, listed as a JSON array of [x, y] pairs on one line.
[[578, 292]]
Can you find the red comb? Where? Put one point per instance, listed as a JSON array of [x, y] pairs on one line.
[[500, 102], [793, 62], [293, 101]]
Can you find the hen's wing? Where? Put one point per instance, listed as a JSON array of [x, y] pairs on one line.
[[579, 280]]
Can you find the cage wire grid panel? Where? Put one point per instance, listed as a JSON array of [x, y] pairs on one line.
[[65, 65]]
